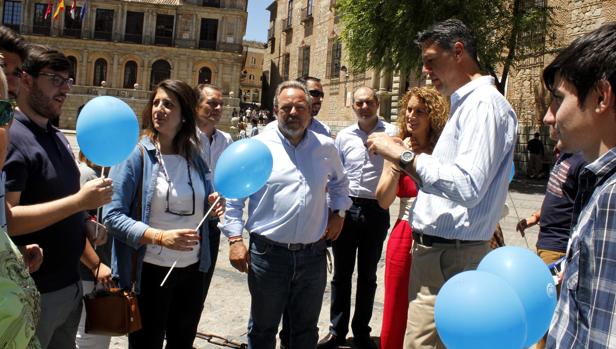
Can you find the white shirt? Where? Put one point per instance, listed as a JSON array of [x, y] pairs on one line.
[[291, 207], [180, 200], [210, 151], [465, 180], [315, 126], [362, 167]]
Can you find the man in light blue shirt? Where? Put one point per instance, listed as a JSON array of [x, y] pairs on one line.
[[288, 222], [365, 226], [463, 184]]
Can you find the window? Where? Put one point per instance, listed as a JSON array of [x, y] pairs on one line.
[[205, 75], [103, 25], [161, 70], [253, 61], [72, 26], [164, 30], [251, 77], [304, 63], [100, 71], [130, 74], [12, 14], [334, 56], [211, 3], [134, 27], [208, 34], [286, 60], [72, 73], [41, 25], [289, 22]]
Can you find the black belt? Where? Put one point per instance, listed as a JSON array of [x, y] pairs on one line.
[[429, 240], [289, 246], [364, 201]]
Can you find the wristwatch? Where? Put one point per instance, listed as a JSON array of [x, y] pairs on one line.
[[341, 213], [406, 158]]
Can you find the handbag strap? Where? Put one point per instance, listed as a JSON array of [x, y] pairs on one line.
[[139, 198]]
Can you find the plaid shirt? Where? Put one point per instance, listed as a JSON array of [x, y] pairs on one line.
[[586, 313]]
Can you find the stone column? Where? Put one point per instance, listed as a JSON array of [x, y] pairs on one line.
[[115, 79], [82, 77]]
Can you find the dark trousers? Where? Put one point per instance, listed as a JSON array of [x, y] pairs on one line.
[[214, 245], [362, 236], [173, 310]]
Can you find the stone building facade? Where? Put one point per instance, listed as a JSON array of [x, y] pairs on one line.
[[124, 47], [252, 71], [525, 90]]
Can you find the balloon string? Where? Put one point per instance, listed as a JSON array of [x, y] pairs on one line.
[[98, 211], [518, 217], [198, 226]]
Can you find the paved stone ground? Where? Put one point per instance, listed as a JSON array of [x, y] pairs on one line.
[[228, 303]]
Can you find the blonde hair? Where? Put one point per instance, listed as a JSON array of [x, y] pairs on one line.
[[437, 109]]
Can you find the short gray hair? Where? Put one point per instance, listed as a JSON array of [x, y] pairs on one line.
[[376, 97], [292, 84]]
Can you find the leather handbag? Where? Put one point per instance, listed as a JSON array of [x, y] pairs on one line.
[[115, 312]]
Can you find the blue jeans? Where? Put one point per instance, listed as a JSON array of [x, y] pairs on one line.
[[279, 278]]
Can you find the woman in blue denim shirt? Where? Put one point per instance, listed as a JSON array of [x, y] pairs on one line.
[[175, 196]]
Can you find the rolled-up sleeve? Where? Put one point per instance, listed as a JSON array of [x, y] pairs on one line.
[[233, 223]]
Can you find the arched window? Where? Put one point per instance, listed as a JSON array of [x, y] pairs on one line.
[[251, 77], [161, 70], [130, 74], [100, 71], [72, 73], [205, 75]]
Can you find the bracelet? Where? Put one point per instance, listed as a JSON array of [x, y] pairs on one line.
[[159, 238], [231, 242]]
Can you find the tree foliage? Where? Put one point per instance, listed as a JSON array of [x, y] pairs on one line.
[[381, 34]]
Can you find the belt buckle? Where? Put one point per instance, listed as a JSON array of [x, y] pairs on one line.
[[294, 247]]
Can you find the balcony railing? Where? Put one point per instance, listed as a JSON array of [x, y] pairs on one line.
[[102, 35], [41, 29], [136, 38], [75, 33], [207, 44], [307, 14], [163, 40], [224, 46], [271, 32], [287, 24]]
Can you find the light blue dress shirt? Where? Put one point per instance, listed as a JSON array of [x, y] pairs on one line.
[[315, 126], [362, 167], [291, 206], [210, 151], [465, 180]]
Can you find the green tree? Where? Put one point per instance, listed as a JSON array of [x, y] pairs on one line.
[[381, 34]]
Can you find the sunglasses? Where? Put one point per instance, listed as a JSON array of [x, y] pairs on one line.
[[7, 109], [316, 93]]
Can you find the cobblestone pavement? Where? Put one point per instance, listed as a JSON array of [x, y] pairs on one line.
[[228, 303]]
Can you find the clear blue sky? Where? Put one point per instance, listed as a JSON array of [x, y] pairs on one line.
[[258, 18]]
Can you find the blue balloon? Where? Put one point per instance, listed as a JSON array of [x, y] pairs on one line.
[[531, 280], [512, 174], [477, 310], [107, 130], [242, 169]]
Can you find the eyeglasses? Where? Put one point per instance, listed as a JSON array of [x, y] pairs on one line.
[[214, 104], [7, 109], [168, 208], [57, 80], [316, 93]]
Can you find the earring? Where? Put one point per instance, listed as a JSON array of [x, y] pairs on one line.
[[183, 120]]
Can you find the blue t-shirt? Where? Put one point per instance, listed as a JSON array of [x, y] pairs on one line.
[[41, 165], [557, 214]]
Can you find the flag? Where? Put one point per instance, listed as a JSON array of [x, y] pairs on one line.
[[58, 9], [84, 10], [74, 9], [48, 10]]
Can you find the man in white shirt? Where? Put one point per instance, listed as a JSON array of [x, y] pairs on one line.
[[463, 183], [365, 226], [288, 222], [213, 143]]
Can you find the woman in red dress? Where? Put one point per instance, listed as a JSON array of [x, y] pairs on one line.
[[423, 115]]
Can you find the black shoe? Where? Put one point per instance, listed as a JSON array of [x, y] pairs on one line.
[[364, 343], [331, 341]]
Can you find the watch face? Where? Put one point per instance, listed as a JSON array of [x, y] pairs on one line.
[[407, 156]]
